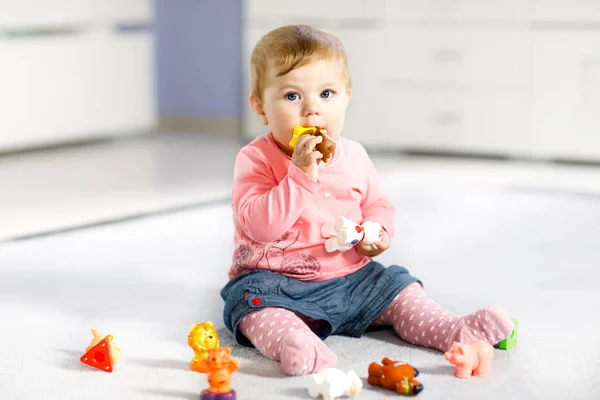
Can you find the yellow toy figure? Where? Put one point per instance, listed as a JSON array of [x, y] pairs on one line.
[[202, 337], [219, 366], [299, 131]]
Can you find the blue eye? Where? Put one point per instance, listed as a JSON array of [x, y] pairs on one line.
[[327, 94], [292, 96]]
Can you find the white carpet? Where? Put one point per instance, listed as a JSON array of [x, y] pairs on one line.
[[535, 251]]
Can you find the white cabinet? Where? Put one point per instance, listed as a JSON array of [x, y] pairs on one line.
[[566, 10], [45, 13], [291, 11], [453, 83], [464, 9], [74, 87], [69, 73], [566, 102]]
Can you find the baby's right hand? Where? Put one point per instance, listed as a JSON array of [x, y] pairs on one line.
[[306, 157]]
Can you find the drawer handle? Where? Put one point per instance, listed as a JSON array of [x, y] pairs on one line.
[[447, 55], [448, 118]]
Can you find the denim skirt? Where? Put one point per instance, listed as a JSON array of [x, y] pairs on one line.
[[347, 305]]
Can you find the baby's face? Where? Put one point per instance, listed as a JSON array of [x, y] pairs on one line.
[[313, 94]]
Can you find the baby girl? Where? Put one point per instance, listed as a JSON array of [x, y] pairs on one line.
[[286, 293]]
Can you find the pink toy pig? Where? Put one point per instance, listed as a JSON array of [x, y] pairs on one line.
[[470, 359]]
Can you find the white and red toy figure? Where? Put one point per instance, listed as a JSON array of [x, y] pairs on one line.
[[343, 234], [331, 383]]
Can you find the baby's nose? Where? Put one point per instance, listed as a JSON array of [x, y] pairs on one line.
[[311, 107]]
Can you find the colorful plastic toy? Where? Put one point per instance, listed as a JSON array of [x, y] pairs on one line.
[[327, 145], [395, 375], [332, 383], [470, 359], [219, 366], [101, 353], [510, 341], [201, 338], [344, 234]]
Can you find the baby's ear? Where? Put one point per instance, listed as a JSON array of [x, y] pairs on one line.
[[258, 108]]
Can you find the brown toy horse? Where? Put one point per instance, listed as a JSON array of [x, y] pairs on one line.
[[327, 146], [396, 376], [219, 366]]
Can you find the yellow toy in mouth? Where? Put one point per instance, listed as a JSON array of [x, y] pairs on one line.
[[301, 130], [326, 147]]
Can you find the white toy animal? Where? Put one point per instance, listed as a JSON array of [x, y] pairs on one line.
[[332, 383], [344, 234]]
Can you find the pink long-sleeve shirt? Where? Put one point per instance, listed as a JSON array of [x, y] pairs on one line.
[[278, 211]]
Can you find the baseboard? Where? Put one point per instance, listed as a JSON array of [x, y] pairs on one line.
[[231, 126]]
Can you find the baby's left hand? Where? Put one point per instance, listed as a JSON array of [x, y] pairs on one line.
[[381, 245]]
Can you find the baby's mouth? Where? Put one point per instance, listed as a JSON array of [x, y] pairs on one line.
[[306, 126]]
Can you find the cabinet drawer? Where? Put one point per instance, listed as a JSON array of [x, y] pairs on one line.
[[480, 123], [482, 57], [479, 9], [40, 13], [566, 10], [75, 87], [320, 9]]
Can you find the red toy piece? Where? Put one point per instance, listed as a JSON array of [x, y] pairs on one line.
[[99, 356], [101, 353]]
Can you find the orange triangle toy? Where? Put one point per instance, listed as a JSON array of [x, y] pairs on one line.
[[101, 354]]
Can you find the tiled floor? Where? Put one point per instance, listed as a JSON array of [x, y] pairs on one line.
[[63, 188]]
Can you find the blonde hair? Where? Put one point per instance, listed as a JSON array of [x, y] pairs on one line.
[[293, 46]]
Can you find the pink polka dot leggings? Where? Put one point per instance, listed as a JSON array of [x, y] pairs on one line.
[[281, 335]]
